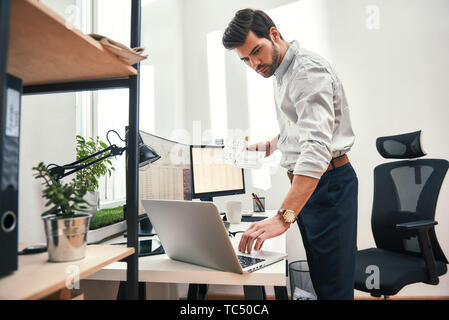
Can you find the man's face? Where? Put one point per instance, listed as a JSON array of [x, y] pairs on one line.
[[260, 54]]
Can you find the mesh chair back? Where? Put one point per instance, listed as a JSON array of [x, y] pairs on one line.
[[406, 191]]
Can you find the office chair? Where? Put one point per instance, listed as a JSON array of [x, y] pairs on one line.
[[403, 220]]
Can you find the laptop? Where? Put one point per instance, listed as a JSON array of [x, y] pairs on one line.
[[193, 232]]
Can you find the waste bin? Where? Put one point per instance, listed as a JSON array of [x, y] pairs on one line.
[[301, 286]]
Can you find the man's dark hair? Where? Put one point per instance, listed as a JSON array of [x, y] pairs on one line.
[[245, 20]]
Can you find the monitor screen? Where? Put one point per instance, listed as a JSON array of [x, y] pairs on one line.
[[169, 177], [212, 175]]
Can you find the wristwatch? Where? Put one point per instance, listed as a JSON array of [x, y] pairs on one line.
[[288, 215]]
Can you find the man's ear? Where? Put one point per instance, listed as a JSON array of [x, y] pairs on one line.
[[274, 34]]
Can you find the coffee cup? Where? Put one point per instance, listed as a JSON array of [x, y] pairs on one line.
[[234, 211]]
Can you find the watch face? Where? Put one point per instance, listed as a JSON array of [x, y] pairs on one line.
[[289, 216]]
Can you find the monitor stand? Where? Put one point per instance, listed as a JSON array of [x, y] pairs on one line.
[[210, 199], [145, 227]]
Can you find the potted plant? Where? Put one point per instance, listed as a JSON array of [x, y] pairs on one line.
[[71, 206], [66, 222], [90, 175]]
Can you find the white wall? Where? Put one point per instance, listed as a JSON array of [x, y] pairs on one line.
[[48, 135], [163, 41], [200, 18], [394, 78], [48, 129], [394, 73]]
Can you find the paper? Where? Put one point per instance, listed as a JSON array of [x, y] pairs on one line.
[[128, 55], [12, 113], [235, 153]]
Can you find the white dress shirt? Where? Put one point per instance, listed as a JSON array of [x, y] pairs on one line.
[[312, 112]]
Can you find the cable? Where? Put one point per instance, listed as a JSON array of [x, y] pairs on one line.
[[107, 138]]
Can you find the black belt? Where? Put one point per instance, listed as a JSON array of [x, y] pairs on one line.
[[334, 164]]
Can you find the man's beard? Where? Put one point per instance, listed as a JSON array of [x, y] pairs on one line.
[[275, 61]]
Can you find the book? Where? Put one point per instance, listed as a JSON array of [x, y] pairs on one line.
[[126, 54]]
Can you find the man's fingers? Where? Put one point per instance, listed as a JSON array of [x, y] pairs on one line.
[[246, 236], [267, 149], [251, 238], [259, 243], [253, 147], [261, 146], [244, 240]]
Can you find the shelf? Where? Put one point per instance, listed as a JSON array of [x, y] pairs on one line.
[[42, 49], [37, 278], [50, 56]]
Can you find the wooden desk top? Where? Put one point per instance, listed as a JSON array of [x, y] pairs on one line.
[[37, 278], [162, 269]]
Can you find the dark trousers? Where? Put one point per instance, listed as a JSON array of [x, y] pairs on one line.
[[328, 226]]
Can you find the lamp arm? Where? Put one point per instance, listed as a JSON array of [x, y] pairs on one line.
[[59, 171]]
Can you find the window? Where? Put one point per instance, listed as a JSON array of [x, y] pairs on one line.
[[217, 87], [104, 110]]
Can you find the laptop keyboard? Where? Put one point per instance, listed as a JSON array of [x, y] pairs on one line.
[[248, 261]]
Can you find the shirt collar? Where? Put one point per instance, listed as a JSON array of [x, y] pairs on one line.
[[287, 60]]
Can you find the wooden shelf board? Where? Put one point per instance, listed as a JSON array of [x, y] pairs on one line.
[[37, 278], [43, 49]]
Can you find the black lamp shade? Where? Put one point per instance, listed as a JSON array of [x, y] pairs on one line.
[[147, 155]]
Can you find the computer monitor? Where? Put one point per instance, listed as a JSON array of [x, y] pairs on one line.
[[167, 178], [212, 176]]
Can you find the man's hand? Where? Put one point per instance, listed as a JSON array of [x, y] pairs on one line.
[[261, 231], [260, 146], [300, 191], [269, 146]]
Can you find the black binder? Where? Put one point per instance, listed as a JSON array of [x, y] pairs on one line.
[[9, 173]]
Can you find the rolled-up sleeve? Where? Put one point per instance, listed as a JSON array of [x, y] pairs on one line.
[[313, 102]]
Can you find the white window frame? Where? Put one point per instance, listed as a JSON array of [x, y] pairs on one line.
[[112, 189]]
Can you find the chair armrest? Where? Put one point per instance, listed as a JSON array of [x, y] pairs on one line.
[[413, 225], [422, 227]]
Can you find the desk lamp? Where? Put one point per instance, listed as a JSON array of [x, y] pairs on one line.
[[146, 155]]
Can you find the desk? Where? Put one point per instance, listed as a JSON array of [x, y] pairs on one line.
[[37, 278], [162, 269]]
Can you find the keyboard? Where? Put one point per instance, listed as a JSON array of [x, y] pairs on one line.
[[248, 261]]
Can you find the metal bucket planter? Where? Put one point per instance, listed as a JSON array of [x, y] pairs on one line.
[[66, 237], [94, 200]]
